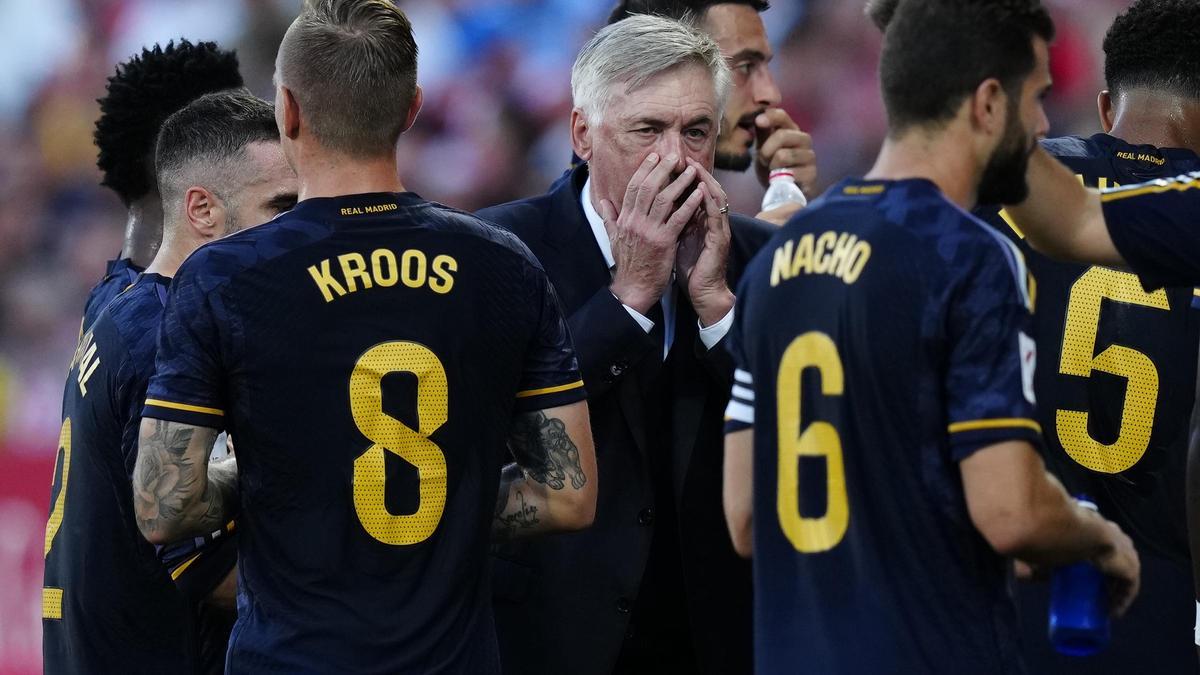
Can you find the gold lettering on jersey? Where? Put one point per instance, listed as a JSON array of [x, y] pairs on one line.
[[363, 210], [1142, 157], [385, 269], [864, 189], [88, 362], [838, 254]]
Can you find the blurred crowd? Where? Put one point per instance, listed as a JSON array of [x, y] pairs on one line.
[[496, 75]]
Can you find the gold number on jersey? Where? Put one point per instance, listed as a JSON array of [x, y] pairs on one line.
[[1079, 358], [52, 597], [820, 439], [387, 434]]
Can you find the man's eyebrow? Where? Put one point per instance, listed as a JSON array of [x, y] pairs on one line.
[[698, 120], [648, 122], [749, 55]]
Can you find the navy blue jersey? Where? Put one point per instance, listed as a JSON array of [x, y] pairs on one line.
[[109, 605], [881, 338], [1155, 227], [119, 275], [1117, 369], [367, 353]]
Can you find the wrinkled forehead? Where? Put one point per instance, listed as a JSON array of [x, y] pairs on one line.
[[682, 93]]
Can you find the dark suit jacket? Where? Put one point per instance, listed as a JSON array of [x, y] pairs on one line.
[[563, 602]]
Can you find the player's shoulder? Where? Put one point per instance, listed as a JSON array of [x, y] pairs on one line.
[[486, 233], [1074, 147], [130, 322]]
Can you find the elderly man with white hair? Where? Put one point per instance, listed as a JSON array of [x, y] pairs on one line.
[[643, 252]]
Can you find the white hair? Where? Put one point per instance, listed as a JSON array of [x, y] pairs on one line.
[[634, 50]]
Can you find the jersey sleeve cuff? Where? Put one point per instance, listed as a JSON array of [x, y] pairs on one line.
[[969, 436], [184, 413], [550, 397]]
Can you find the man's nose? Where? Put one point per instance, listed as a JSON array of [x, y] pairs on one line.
[[765, 91], [671, 144]]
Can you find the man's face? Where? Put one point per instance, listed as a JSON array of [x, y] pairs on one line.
[[1003, 180], [674, 114], [738, 31], [271, 189]]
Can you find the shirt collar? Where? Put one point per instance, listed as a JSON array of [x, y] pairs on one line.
[[597, 223]]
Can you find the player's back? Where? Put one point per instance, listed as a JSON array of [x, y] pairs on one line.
[[1116, 377], [108, 604], [879, 332], [371, 350]]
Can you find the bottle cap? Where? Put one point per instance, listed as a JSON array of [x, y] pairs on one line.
[[779, 173]]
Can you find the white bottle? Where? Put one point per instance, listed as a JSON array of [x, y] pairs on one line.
[[782, 189]]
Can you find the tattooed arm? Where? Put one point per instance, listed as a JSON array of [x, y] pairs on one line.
[[552, 485], [177, 493]]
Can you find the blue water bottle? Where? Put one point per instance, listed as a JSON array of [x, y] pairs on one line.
[[1079, 624]]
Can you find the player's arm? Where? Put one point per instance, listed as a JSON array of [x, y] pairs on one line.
[[177, 493], [1025, 513], [1061, 217], [737, 493], [552, 485]]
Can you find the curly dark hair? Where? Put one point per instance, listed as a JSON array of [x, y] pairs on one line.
[[143, 92], [677, 9], [1154, 44]]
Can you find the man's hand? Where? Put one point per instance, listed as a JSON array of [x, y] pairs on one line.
[[780, 215], [645, 233], [1119, 562], [704, 253], [781, 145]]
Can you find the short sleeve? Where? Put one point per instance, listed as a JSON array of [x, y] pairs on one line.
[[188, 380], [550, 375], [739, 413], [1156, 229], [992, 355]]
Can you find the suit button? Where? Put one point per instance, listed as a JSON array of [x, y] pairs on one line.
[[623, 605], [646, 516]]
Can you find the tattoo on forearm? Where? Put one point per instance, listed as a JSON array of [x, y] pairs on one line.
[[542, 446], [513, 524], [174, 490]]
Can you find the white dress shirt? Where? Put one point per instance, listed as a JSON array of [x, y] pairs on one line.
[[710, 336]]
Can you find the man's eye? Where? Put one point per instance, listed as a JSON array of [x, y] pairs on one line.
[[697, 133]]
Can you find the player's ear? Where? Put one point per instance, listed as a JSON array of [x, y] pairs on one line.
[[1108, 114], [289, 113], [989, 108], [205, 213], [581, 135], [414, 109]]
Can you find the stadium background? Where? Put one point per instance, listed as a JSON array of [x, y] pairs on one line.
[[494, 128]]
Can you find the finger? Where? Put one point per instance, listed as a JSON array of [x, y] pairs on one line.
[[683, 215], [710, 182], [775, 118], [789, 139], [665, 200], [1023, 570], [793, 158], [608, 213], [653, 184], [631, 190]]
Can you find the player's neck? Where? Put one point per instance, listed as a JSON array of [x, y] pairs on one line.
[[143, 229], [335, 175], [935, 157], [1160, 119], [171, 255]]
